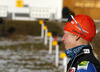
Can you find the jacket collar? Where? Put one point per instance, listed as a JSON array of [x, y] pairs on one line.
[[86, 50], [73, 52]]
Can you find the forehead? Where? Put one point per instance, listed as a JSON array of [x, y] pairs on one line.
[[66, 32]]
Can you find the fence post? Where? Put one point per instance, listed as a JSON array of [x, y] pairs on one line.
[[65, 60], [45, 37], [55, 43], [49, 34], [42, 30]]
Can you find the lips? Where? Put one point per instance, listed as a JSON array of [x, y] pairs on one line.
[[65, 44]]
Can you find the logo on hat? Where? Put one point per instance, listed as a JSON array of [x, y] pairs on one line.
[[72, 22]]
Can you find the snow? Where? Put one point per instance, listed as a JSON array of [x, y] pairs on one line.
[[22, 60]]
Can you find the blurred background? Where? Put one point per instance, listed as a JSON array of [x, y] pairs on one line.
[[22, 49]]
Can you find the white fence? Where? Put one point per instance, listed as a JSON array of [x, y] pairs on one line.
[[33, 13], [37, 12], [3, 11]]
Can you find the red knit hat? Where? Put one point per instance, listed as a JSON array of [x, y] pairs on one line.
[[83, 26]]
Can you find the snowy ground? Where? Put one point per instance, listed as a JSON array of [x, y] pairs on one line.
[[16, 58]]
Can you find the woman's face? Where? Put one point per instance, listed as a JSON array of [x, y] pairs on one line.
[[69, 40]]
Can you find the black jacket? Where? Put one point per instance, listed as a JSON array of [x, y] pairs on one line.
[[84, 56]]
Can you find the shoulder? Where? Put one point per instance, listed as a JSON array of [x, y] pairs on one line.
[[86, 66]]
